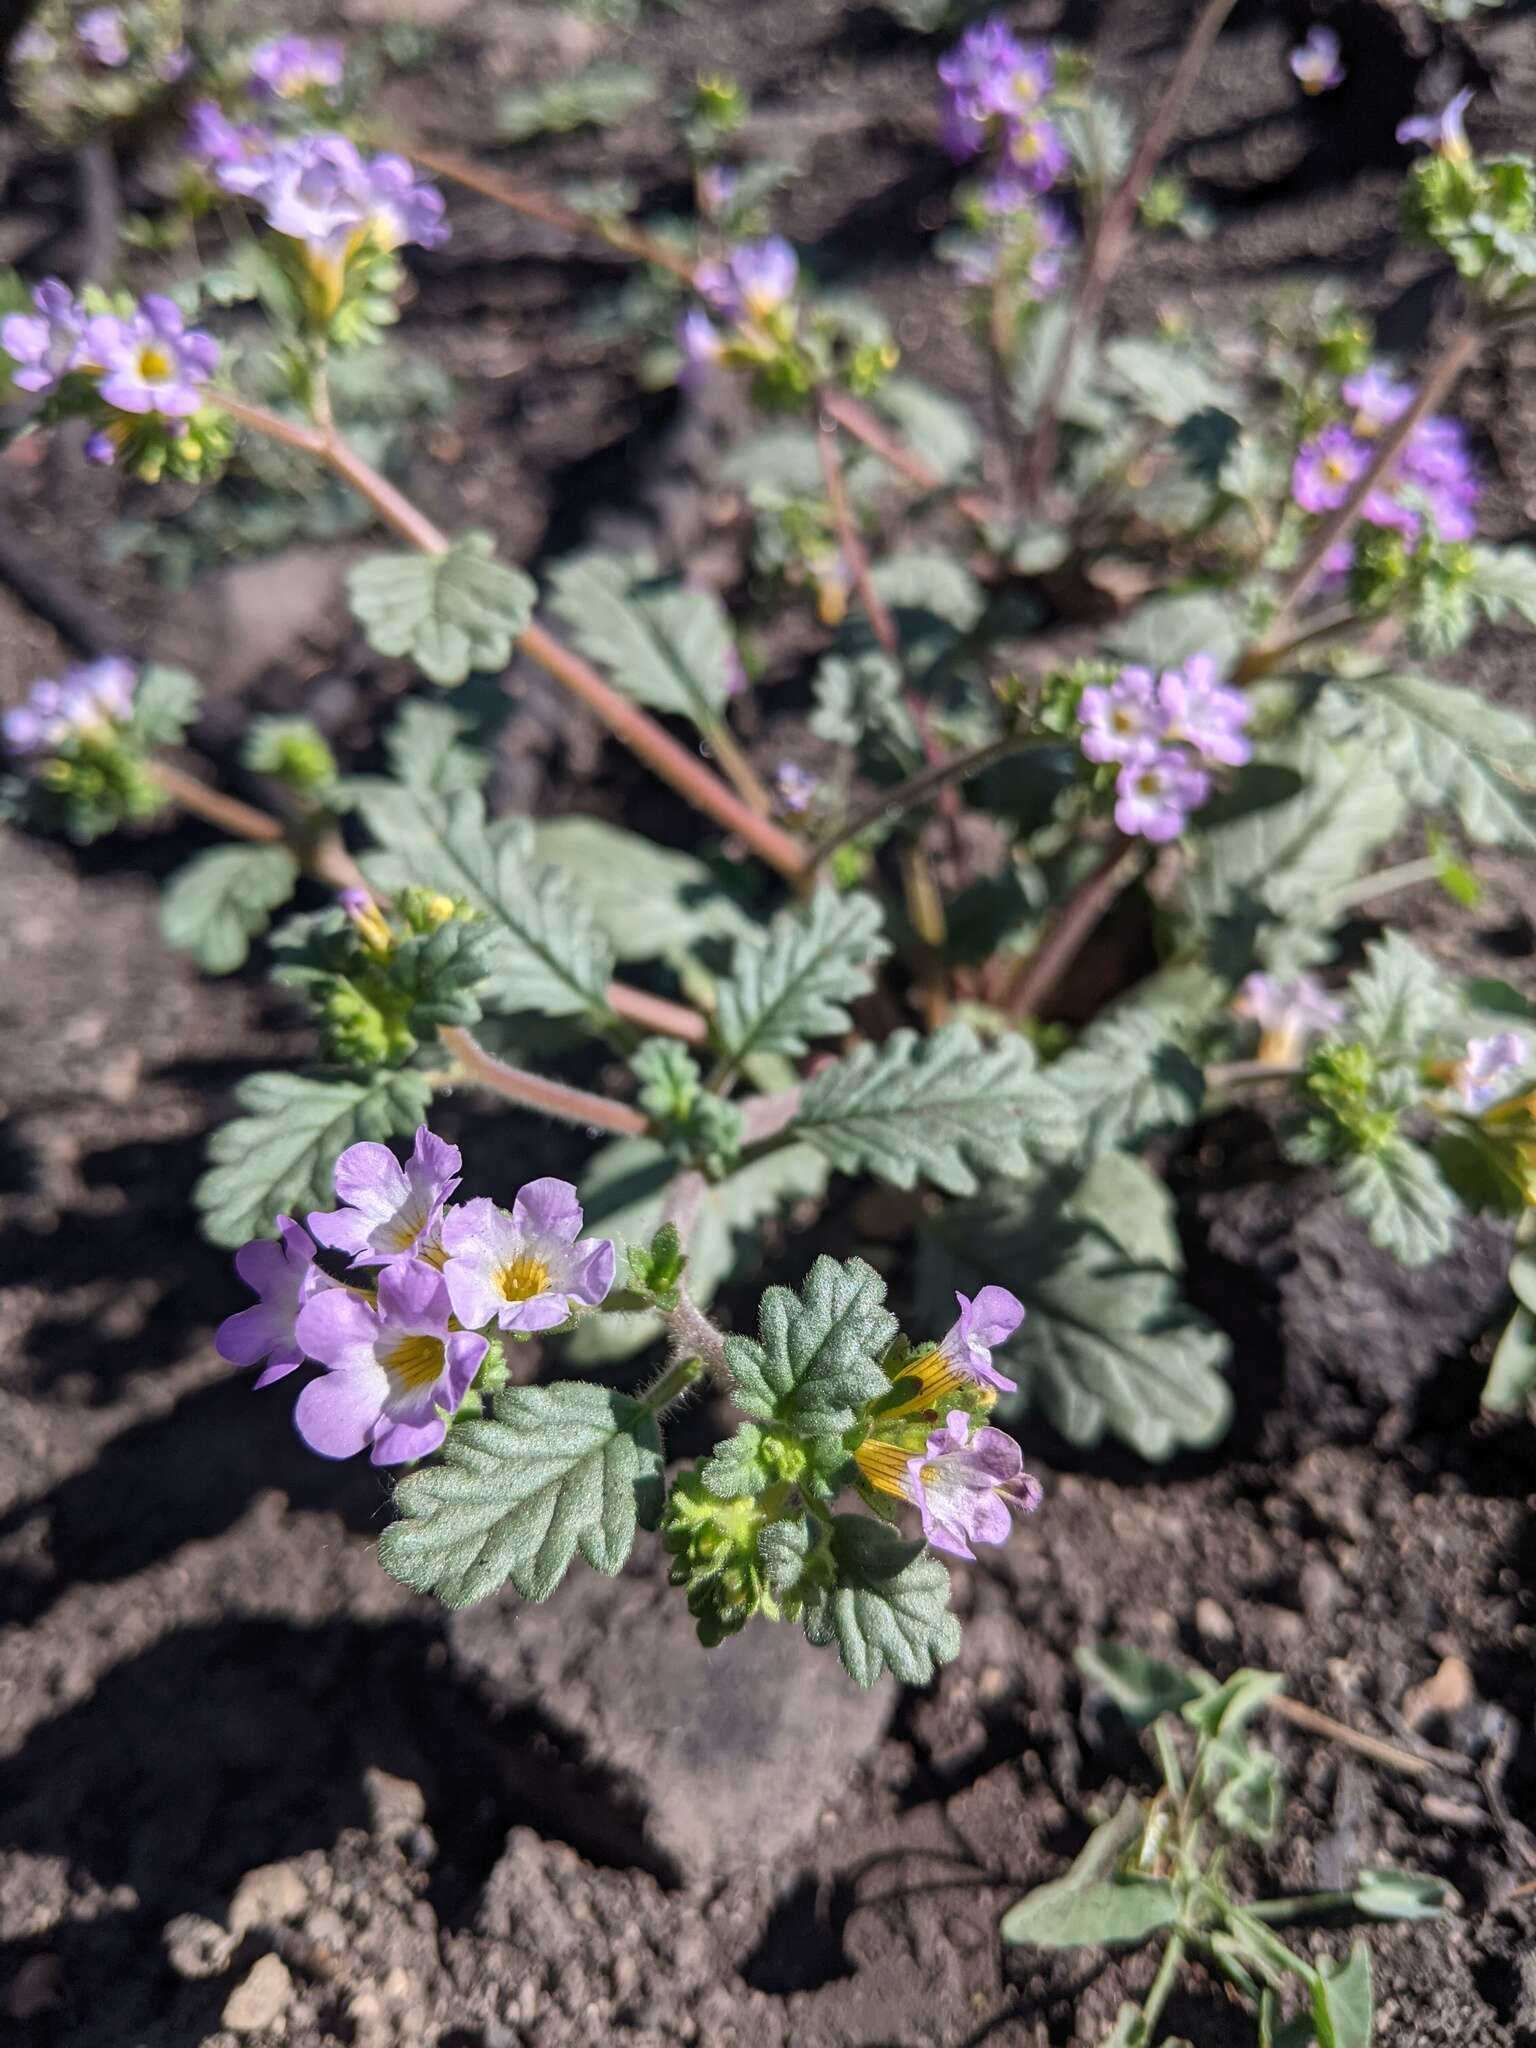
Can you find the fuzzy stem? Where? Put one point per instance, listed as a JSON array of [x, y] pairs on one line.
[[1263, 661], [927, 782], [1112, 235], [1405, 876], [1458, 354], [553, 212], [1039, 974], [1275, 1912], [694, 1336], [675, 1381], [739, 772], [657, 1013], [550, 1098], [851, 541], [1234, 1073], [668, 759], [857, 420], [228, 813]]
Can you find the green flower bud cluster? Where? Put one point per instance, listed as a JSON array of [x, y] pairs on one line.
[[293, 752], [1482, 212], [1361, 1103], [92, 785], [702, 1126]]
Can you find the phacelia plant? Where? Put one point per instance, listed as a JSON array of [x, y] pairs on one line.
[[857, 969]]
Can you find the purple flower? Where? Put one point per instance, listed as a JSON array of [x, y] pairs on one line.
[[288, 67], [1155, 794], [319, 190], [700, 341], [990, 78], [1315, 61], [1037, 152], [1325, 468], [391, 1367], [152, 361], [1438, 461], [1377, 400], [100, 33], [283, 1275], [982, 1324], [964, 1486], [45, 345], [1204, 713], [796, 786], [1444, 131], [529, 1270], [100, 448], [752, 282], [1031, 237], [389, 1212], [1287, 1013], [34, 45], [94, 697], [237, 155], [1485, 1065], [1125, 721]]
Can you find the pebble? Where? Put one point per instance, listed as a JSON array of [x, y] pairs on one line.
[[260, 1998], [1213, 1622], [266, 1897], [196, 1947]]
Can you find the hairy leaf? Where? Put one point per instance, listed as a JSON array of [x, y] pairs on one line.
[[221, 900], [664, 645], [792, 986], [1401, 1198], [1400, 997], [934, 427], [426, 749], [1166, 631], [550, 956], [888, 1609], [859, 703], [1402, 1895], [451, 614], [1504, 579], [1127, 1079], [165, 703], [653, 903], [1106, 1343], [1511, 1381], [816, 1358], [1452, 750], [1166, 379], [1091, 1905], [560, 1469], [277, 1158], [598, 97], [943, 1109]]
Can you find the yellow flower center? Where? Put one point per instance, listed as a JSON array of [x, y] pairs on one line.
[[414, 1362], [522, 1278], [155, 366], [404, 1229], [1336, 469]]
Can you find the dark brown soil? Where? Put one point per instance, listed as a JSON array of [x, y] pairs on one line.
[[252, 1791]]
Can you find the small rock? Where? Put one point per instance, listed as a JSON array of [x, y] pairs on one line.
[[1213, 1622], [260, 1998], [1441, 1697], [1322, 1590], [395, 1805], [196, 1947], [37, 1987], [266, 1897]]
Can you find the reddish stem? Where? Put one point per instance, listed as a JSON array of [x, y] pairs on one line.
[[1039, 974], [550, 1098]]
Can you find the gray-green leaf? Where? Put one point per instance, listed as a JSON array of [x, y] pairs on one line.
[[1091, 1905], [551, 957], [1402, 1895], [560, 1469], [943, 1109], [665, 645], [451, 614], [1451, 749], [816, 1359], [1127, 1079], [221, 900], [791, 986], [1142, 1687], [1399, 1194], [165, 702], [652, 902], [1106, 1343], [1400, 997], [1341, 2000], [888, 1609], [277, 1158]]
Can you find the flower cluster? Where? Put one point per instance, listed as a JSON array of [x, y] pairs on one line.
[[962, 1481], [994, 91], [318, 190], [1433, 477], [751, 288], [94, 699], [120, 369], [1023, 240], [1163, 733], [400, 1357], [1315, 61]]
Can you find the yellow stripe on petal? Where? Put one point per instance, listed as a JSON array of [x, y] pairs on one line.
[[885, 1467], [413, 1363], [927, 1382]]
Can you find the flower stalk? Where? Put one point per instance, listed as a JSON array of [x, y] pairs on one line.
[[534, 1091]]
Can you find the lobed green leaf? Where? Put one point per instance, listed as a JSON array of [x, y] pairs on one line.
[[222, 899], [816, 1359], [888, 1608], [791, 986], [451, 614]]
